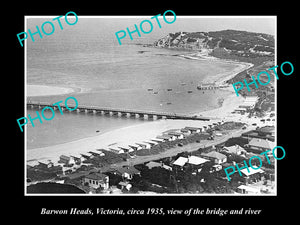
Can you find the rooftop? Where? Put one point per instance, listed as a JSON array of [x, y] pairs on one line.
[[96, 176], [262, 143], [128, 169], [252, 171], [214, 154]]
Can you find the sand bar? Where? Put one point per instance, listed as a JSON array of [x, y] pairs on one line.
[[43, 90]]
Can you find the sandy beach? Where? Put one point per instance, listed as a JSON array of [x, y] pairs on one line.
[[137, 133]]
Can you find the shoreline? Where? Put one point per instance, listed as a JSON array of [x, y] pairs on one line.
[[120, 137]]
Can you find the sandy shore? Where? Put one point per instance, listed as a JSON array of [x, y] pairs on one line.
[[120, 137], [138, 133], [43, 90]]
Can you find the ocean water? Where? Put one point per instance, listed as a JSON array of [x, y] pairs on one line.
[[103, 73]]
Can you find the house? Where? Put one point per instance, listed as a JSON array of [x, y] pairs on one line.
[[234, 149], [127, 172], [94, 153], [135, 147], [116, 150], [174, 132], [216, 157], [96, 180], [152, 164], [243, 189], [193, 129], [157, 140], [260, 145], [45, 164], [166, 137], [126, 148], [180, 161], [193, 162], [144, 145], [177, 135], [152, 143], [185, 131], [253, 175], [66, 160], [100, 151], [87, 155], [78, 159]]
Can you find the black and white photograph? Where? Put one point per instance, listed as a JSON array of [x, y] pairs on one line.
[[156, 112], [163, 113]]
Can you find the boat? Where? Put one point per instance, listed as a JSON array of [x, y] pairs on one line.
[[169, 89], [150, 89], [155, 92], [190, 91], [169, 103]]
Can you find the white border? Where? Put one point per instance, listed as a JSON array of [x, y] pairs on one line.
[[145, 195]]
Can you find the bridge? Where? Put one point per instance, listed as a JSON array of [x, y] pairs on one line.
[[130, 113]]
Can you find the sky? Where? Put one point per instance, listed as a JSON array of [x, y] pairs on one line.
[[108, 26]]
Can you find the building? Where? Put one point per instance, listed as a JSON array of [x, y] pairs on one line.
[[126, 172], [243, 189], [87, 155], [78, 159], [45, 164], [166, 137], [193, 162], [193, 129], [185, 131], [116, 150], [260, 145], [253, 175], [135, 147], [96, 180], [126, 148], [180, 161], [144, 145], [234, 149], [66, 160], [216, 157], [152, 164], [177, 135]]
